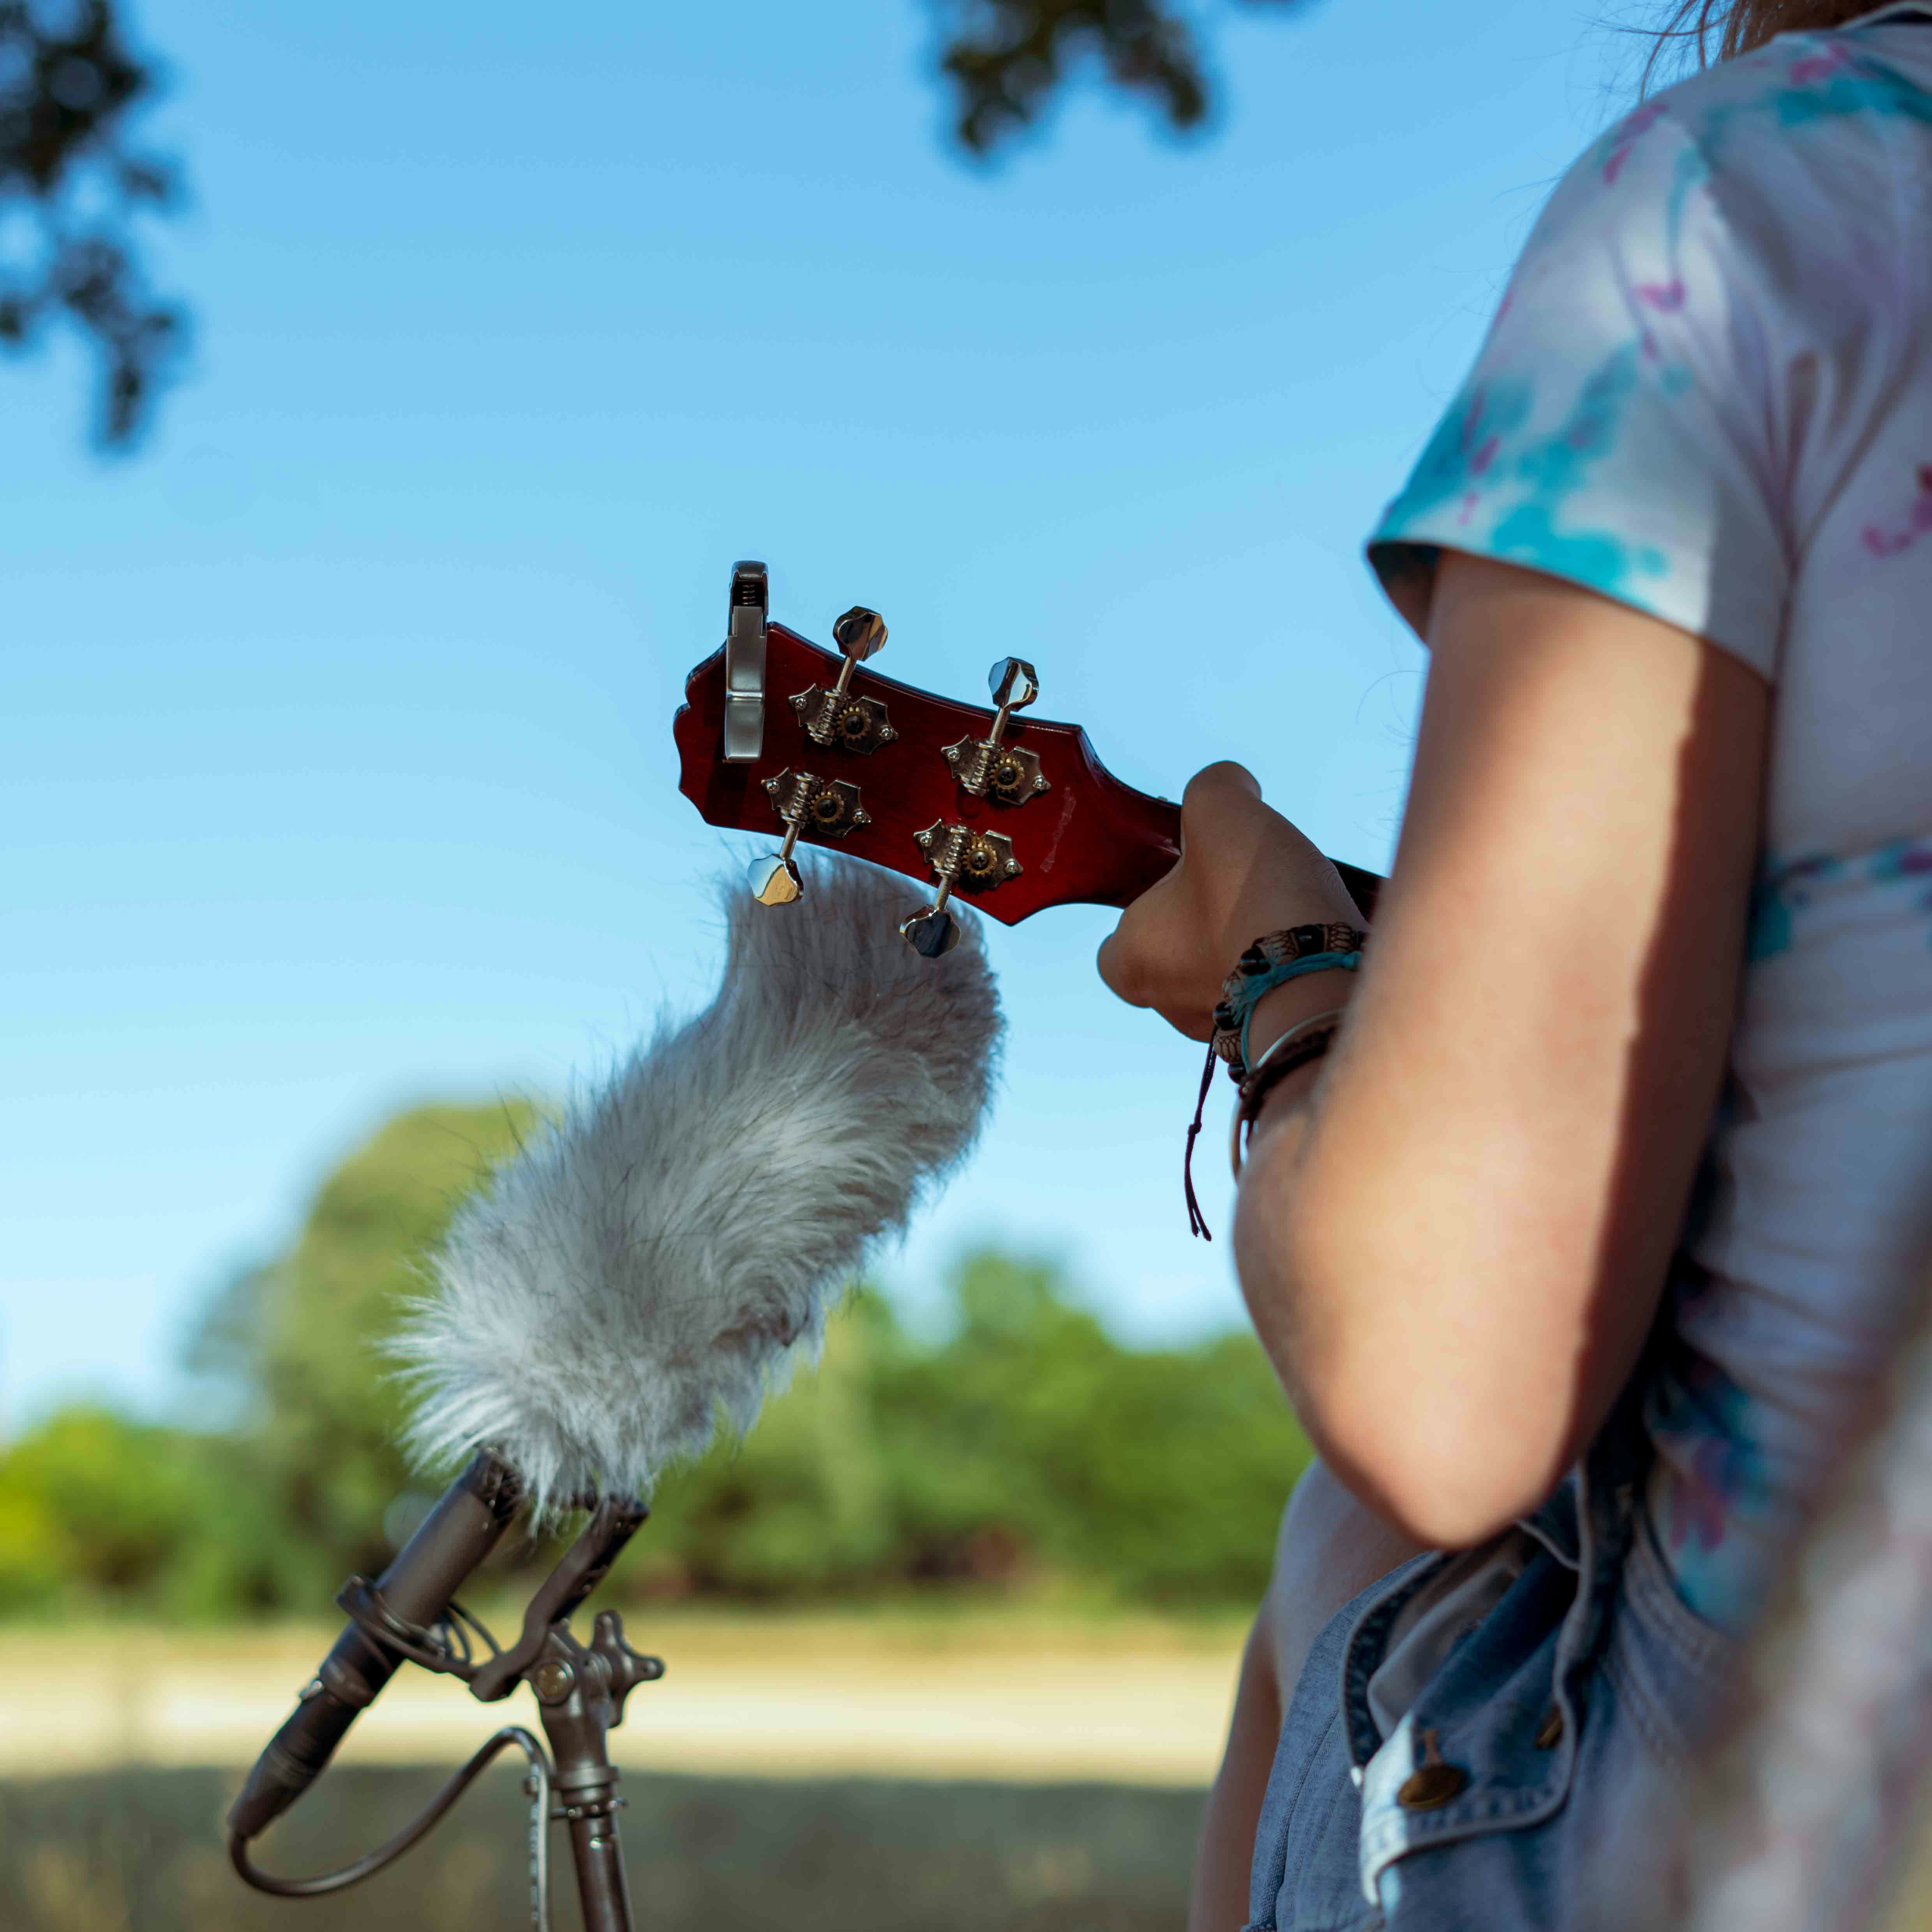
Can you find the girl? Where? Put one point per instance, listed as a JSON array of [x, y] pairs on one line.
[[1578, 1221]]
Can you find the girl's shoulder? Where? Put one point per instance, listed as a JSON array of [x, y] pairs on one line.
[[1776, 180], [1818, 106]]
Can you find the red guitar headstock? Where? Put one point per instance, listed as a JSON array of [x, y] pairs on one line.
[[1012, 812]]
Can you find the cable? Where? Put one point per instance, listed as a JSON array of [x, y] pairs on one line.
[[537, 1783]]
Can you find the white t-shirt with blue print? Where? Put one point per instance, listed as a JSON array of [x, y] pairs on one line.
[[1708, 393]]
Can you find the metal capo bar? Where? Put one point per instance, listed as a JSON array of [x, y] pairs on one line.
[[744, 664]]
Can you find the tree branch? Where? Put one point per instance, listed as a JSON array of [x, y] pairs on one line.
[[68, 85], [1007, 59]]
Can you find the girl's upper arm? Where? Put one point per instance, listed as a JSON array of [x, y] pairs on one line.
[[1599, 547], [1485, 1201]]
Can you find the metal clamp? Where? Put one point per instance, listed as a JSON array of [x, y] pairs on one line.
[[745, 664]]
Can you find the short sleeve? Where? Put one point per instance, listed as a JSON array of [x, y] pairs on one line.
[[1612, 431]]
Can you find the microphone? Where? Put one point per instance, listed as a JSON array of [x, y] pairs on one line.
[[661, 1258], [659, 1261], [463, 1528]]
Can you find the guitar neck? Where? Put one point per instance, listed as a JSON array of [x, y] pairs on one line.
[[1145, 833], [1086, 838]]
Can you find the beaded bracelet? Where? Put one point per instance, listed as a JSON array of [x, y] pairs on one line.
[[1274, 959]]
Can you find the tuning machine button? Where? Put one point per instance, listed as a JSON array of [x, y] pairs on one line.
[[835, 720], [962, 859], [988, 767], [933, 933], [828, 808], [775, 879], [860, 634]]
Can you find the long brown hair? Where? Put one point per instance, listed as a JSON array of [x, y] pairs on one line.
[[1741, 25]]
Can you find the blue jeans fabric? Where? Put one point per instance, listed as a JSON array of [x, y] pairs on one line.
[[1563, 1828]]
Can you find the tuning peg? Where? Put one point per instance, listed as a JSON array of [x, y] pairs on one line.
[[932, 930], [775, 880], [988, 765], [835, 720], [930, 933], [1014, 685], [830, 806], [860, 634]]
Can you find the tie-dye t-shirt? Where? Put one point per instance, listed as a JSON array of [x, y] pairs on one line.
[[1709, 394]]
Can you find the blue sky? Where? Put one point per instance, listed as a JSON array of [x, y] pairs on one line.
[[335, 762]]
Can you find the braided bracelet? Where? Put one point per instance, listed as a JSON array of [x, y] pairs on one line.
[[1307, 1040], [1274, 959]]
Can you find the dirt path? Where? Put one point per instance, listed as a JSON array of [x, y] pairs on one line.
[[776, 1700]]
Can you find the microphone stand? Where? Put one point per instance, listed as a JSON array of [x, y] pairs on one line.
[[580, 1695], [580, 1690]]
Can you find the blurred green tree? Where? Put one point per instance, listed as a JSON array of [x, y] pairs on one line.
[[96, 1510], [1160, 1473], [297, 1340], [802, 1505], [1024, 1448]]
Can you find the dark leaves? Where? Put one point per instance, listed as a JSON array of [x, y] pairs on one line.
[[1006, 59], [68, 85]]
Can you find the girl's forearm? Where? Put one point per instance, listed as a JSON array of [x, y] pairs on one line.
[[1218, 1898], [1261, 1263]]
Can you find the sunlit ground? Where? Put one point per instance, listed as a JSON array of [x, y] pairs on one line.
[[966, 1771], [1015, 1696]]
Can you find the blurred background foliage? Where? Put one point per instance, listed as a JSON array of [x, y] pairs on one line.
[[72, 82], [1007, 60], [1020, 1452]]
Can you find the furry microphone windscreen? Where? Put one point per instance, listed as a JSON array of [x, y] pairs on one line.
[[660, 1259]]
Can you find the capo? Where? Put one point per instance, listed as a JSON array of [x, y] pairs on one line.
[[745, 664]]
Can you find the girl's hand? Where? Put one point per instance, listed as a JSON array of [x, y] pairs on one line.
[[1243, 871]]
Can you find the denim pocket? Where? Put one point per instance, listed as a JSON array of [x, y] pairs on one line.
[[1490, 1744], [1670, 1668]]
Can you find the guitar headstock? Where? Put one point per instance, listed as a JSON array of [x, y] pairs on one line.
[[1012, 812]]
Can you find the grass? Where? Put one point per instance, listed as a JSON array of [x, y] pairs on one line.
[[138, 1852], [909, 1625]]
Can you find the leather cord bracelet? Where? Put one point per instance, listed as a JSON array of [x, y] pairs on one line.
[[1307, 1040], [1273, 960]]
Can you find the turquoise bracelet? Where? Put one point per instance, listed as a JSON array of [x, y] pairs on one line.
[[1235, 1013], [1274, 959], [1254, 988]]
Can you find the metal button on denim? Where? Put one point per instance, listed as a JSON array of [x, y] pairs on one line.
[[1432, 1784], [1430, 1788]]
